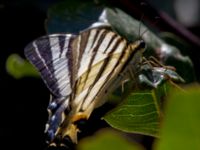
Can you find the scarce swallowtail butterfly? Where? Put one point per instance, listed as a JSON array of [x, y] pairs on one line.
[[80, 71]]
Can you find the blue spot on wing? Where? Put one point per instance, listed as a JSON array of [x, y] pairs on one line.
[[56, 107]]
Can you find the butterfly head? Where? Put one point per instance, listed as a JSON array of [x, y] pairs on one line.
[[139, 45]]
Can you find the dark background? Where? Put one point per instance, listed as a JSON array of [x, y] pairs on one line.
[[23, 102]]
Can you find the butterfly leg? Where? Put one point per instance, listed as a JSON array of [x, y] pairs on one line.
[[152, 73]]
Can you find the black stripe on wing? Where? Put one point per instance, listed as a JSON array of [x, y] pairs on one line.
[[117, 40], [51, 56]]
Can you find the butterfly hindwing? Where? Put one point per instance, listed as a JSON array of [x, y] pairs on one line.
[[50, 55]]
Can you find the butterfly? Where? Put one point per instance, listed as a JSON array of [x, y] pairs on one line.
[[81, 71]]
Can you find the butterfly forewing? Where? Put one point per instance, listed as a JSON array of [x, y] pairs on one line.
[[103, 58]]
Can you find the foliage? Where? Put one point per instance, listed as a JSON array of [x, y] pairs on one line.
[[179, 128], [107, 139], [139, 113], [18, 67]]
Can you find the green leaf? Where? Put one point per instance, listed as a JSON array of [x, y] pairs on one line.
[[139, 113], [108, 140], [181, 123], [18, 67]]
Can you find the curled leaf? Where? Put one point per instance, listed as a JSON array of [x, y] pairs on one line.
[[18, 67]]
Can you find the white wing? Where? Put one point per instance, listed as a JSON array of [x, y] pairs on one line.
[[51, 55], [102, 57]]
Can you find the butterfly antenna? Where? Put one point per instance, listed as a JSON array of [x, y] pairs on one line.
[[140, 25], [154, 23]]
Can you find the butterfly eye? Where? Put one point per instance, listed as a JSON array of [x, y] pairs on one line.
[[142, 44]]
